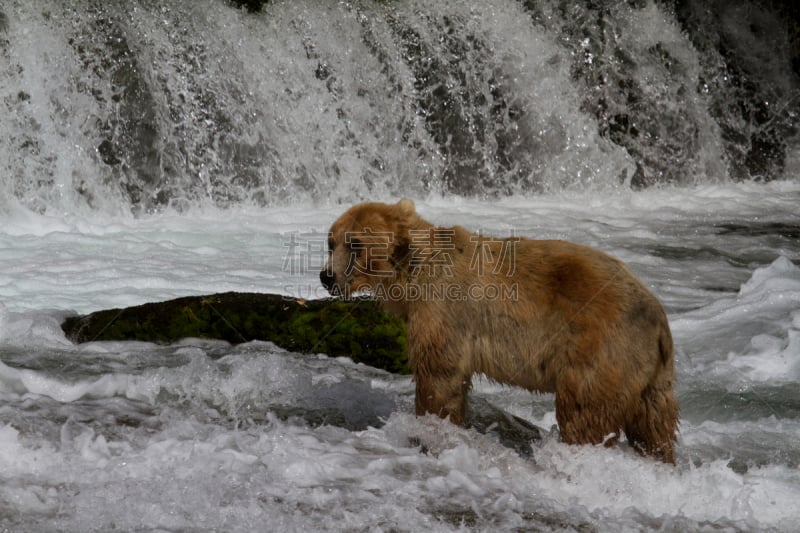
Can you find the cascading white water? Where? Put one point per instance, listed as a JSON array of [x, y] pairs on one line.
[[139, 105]]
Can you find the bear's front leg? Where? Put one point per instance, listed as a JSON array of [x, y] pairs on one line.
[[443, 396]]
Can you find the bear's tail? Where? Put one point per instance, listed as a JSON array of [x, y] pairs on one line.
[[666, 347]]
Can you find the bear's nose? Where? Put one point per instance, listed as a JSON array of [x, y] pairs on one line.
[[327, 279]]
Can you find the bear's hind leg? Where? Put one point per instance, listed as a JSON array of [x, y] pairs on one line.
[[443, 396], [586, 418], [651, 428]]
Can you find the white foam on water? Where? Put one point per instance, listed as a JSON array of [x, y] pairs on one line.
[[770, 297]]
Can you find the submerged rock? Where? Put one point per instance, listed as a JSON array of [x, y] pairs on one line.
[[510, 430]]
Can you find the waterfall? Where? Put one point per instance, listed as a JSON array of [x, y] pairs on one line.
[[143, 105]]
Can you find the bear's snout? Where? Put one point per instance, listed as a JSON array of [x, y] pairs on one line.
[[328, 280]]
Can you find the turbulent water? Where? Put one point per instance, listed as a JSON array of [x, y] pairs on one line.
[[196, 435], [160, 149]]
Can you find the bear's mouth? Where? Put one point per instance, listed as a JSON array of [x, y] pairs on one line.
[[346, 290]]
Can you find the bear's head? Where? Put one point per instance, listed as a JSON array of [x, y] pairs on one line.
[[368, 247]]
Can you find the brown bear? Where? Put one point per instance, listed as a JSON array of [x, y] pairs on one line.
[[546, 315]]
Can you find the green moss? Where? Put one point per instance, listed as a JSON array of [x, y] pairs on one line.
[[358, 329]]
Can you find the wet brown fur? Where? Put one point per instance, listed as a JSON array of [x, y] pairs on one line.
[[580, 324]]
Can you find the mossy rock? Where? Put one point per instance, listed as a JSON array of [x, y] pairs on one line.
[[358, 329]]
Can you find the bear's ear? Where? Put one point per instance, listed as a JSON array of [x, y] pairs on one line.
[[406, 206]]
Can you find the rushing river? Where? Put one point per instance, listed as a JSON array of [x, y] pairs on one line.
[[152, 150]]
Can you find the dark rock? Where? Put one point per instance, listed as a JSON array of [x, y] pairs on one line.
[[749, 54], [511, 431]]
